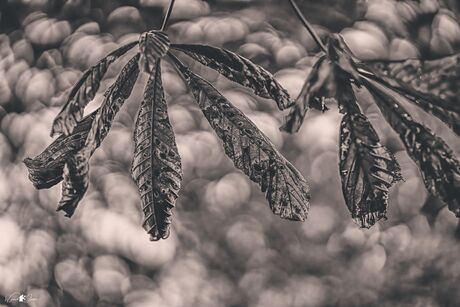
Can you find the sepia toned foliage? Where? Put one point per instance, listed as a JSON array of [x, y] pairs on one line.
[[434, 90], [156, 166]]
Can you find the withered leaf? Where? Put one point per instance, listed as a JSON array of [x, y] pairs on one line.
[[75, 183], [251, 151], [156, 167], [46, 169], [84, 91], [76, 175], [240, 70], [367, 169], [433, 86], [439, 167], [440, 77], [315, 86]]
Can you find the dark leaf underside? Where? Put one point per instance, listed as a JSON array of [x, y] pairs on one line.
[[314, 88], [46, 169]]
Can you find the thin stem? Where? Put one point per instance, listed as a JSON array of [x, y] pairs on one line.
[[307, 25], [168, 14]]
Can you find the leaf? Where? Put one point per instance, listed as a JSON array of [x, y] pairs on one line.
[[156, 167], [77, 167], [84, 91], [439, 167], [431, 209], [75, 183], [240, 70], [46, 169], [285, 189], [153, 45], [311, 95], [435, 89], [367, 169]]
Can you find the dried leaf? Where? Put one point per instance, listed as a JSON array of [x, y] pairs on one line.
[[314, 89], [153, 45], [240, 70], [156, 167], [77, 167], [439, 167], [46, 169], [75, 183], [440, 77], [83, 92], [286, 190], [367, 169], [434, 90]]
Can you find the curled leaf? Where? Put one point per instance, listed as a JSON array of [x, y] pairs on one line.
[[84, 91], [46, 169], [367, 169], [439, 167], [156, 167], [285, 189], [75, 183], [315, 88], [77, 167], [240, 70], [153, 45]]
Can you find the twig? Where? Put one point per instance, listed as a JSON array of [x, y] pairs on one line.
[[307, 25], [168, 14]]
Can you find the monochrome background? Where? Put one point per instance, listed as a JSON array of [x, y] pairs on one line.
[[226, 246]]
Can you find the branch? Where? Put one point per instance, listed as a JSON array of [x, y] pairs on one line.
[[307, 25]]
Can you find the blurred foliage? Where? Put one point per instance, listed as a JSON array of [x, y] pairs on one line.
[[225, 249]]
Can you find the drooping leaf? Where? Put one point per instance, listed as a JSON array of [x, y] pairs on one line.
[[316, 87], [439, 167], [431, 209], [433, 86], [75, 183], [156, 167], [440, 77], [240, 70], [367, 169], [153, 45], [46, 169], [77, 167], [251, 151], [84, 91]]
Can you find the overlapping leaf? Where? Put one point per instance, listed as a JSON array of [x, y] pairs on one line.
[[286, 190], [156, 167], [433, 85], [367, 169], [153, 45], [240, 70], [46, 169], [77, 167], [439, 166], [315, 86], [84, 91]]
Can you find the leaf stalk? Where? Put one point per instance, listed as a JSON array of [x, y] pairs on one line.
[[307, 25]]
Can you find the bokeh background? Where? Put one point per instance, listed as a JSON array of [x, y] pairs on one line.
[[226, 247]]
